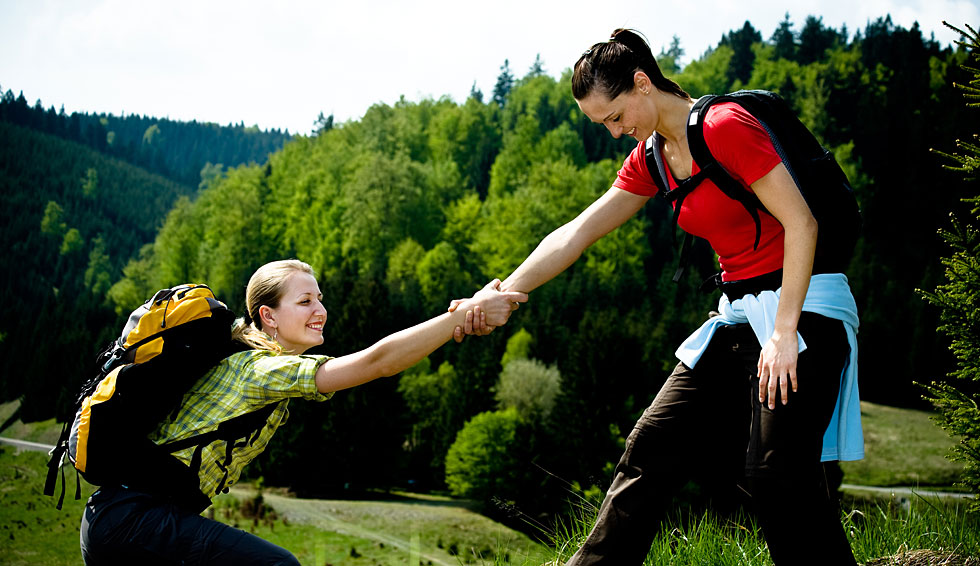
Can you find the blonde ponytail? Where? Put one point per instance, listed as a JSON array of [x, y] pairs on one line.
[[254, 338]]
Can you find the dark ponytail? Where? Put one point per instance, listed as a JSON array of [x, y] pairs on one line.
[[608, 67]]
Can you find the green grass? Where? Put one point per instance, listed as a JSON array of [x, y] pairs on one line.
[[875, 528], [902, 447], [436, 529], [427, 531], [32, 531]]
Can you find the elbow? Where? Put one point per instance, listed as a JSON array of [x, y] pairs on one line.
[[811, 227], [571, 239], [802, 227]]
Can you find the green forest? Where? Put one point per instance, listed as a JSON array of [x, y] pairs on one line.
[[424, 201]]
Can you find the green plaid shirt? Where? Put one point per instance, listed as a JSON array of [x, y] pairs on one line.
[[240, 384]]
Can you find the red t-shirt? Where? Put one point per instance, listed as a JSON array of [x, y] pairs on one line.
[[741, 145]]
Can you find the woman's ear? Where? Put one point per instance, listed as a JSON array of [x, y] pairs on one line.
[[267, 317], [642, 82]]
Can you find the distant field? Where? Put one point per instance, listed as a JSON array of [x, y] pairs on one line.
[[903, 447], [433, 530]]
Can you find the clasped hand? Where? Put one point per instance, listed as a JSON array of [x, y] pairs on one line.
[[496, 309]]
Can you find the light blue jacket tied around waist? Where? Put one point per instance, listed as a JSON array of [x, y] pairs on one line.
[[828, 295]]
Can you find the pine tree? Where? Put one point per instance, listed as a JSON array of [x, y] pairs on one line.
[[476, 94], [784, 40], [505, 82], [815, 40], [323, 124], [741, 41], [959, 300], [537, 68], [669, 59]]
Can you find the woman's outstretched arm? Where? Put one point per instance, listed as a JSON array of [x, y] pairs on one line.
[[405, 348], [562, 247]]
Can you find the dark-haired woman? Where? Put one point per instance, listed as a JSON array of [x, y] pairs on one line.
[[770, 385], [138, 525]]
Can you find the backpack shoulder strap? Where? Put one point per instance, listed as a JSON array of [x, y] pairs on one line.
[[658, 171], [246, 426], [707, 162], [655, 162]]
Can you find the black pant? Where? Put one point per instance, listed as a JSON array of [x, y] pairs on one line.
[[127, 527], [709, 419]]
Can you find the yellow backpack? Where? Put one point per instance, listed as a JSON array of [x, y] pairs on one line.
[[166, 346]]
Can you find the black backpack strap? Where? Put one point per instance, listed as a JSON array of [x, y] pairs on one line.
[[658, 170], [655, 162], [247, 427], [55, 463], [707, 162]]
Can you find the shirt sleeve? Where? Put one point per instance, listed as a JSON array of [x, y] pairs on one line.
[[739, 142], [633, 176], [275, 377]]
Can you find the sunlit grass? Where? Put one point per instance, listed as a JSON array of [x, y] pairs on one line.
[[876, 528]]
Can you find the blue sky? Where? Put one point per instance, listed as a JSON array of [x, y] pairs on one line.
[[279, 64]]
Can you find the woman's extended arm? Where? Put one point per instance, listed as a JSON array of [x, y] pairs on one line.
[[405, 348], [782, 198], [562, 247]]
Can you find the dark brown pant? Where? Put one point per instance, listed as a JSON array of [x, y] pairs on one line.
[[709, 422]]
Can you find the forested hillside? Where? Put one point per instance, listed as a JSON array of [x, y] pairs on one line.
[[176, 150], [421, 202], [71, 219]]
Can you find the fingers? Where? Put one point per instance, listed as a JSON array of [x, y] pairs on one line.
[[454, 303], [479, 320], [771, 383], [475, 324], [515, 296], [774, 386]]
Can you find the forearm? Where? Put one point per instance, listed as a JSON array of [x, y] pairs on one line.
[[401, 350], [553, 255], [390, 355], [799, 246], [562, 247]]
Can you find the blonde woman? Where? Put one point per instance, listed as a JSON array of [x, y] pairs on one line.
[[129, 524]]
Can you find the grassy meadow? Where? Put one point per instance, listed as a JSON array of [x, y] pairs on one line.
[[903, 448]]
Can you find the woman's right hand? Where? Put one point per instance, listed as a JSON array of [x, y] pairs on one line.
[[486, 310]]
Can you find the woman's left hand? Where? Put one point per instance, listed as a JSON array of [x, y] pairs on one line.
[[777, 367]]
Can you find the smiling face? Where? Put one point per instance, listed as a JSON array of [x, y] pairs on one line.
[[298, 321], [631, 113]]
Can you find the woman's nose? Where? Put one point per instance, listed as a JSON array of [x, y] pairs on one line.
[[615, 129]]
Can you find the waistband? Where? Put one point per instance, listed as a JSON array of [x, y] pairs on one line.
[[737, 289]]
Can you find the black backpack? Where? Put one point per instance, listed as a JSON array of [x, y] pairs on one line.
[[814, 169], [166, 346]]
